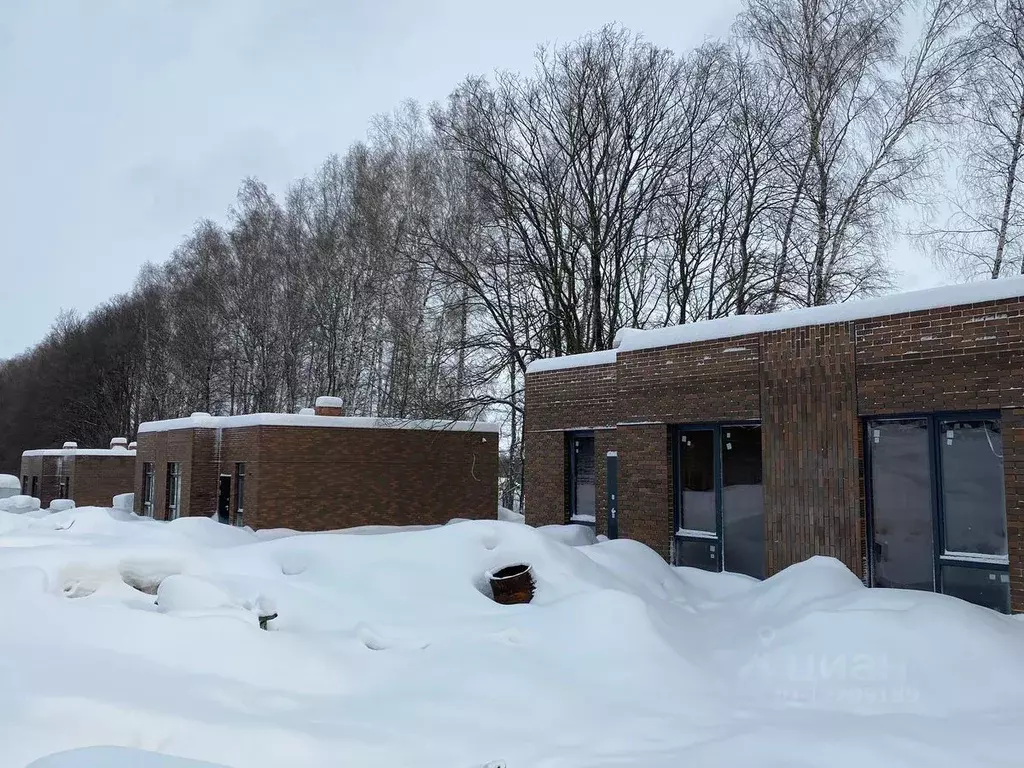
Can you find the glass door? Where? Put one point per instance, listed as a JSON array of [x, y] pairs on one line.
[[720, 499], [938, 507], [902, 544], [697, 499], [582, 479]]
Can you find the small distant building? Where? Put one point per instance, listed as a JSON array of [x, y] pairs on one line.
[[316, 470], [88, 476]]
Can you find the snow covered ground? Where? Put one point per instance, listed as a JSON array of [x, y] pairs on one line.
[[387, 651]]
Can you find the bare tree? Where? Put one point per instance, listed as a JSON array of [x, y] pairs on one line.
[[985, 226], [864, 108]]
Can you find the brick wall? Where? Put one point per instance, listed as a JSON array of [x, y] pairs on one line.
[[324, 478], [160, 448], [703, 382], [313, 478], [568, 399], [573, 398], [645, 486], [808, 443], [960, 358], [95, 480]]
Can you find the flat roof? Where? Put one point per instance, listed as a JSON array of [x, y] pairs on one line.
[[632, 339], [204, 421], [79, 452]]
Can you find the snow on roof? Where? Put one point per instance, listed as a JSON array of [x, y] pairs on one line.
[[631, 339], [79, 452], [325, 401], [206, 421], [604, 357], [10, 481]]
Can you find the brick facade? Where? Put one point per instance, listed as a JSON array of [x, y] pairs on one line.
[[811, 388], [313, 478], [94, 476]]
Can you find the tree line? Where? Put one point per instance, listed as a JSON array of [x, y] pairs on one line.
[[617, 184]]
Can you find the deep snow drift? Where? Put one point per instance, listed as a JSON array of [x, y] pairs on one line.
[[387, 651]]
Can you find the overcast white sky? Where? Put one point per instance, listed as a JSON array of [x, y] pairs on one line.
[[122, 122]]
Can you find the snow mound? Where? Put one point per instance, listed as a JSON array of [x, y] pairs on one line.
[[116, 757], [125, 502], [387, 649], [10, 482], [509, 516], [61, 505], [20, 504]]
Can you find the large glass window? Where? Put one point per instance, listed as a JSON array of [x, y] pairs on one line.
[[938, 509], [720, 499], [742, 501], [148, 487], [902, 546], [582, 479], [973, 501], [173, 490], [698, 504]]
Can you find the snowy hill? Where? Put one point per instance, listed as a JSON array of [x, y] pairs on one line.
[[388, 651]]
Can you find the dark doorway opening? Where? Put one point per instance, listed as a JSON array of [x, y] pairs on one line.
[[224, 499]]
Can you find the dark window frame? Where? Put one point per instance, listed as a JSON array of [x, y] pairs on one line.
[[148, 488], [173, 511], [570, 476], [35, 486], [715, 428], [238, 508], [64, 487], [939, 557]]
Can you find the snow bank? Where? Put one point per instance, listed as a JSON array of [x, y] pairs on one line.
[[116, 757], [19, 504], [124, 502], [206, 421], [61, 505], [388, 650], [9, 482], [510, 516]]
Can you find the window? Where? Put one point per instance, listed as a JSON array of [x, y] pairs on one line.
[[719, 498], [173, 490], [64, 487], [35, 485], [148, 487], [582, 479], [938, 508], [24, 485], [239, 518]]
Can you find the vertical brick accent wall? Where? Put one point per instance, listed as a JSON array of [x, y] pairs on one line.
[[645, 486], [545, 478], [558, 401], [95, 480], [702, 382], [808, 439], [1013, 462]]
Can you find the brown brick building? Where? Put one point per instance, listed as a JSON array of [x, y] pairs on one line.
[[317, 471], [888, 433], [89, 476]]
